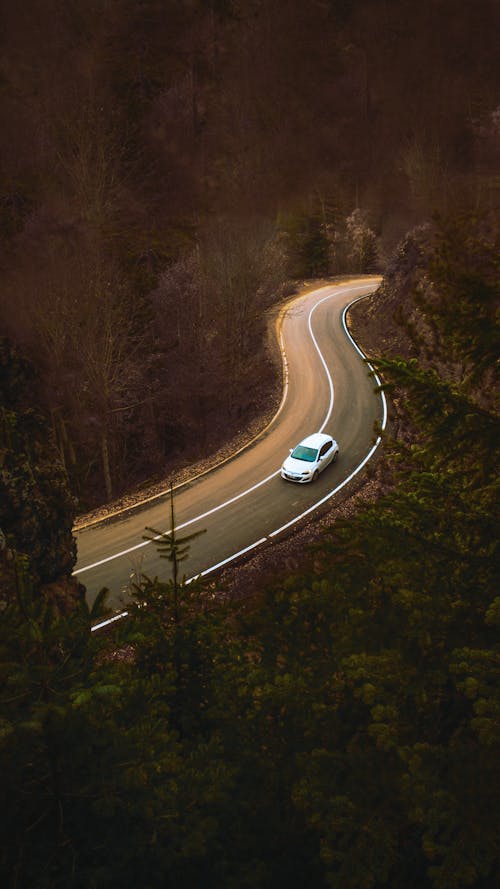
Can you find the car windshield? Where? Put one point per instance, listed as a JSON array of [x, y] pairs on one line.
[[303, 453]]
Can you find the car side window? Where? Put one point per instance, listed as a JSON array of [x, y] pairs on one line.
[[326, 447]]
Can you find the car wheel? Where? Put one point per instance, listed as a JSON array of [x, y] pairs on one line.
[[315, 476], [335, 456]]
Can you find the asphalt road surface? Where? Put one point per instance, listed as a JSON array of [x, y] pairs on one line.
[[244, 501]]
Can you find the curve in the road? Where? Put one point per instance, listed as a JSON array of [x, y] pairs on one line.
[[311, 508]]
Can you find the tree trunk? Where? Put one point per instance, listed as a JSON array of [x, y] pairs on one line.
[[105, 464]]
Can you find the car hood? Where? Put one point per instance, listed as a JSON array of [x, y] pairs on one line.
[[296, 466]]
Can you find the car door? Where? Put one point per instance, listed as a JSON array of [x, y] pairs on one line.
[[325, 455]]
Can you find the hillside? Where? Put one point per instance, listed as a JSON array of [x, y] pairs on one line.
[[168, 167], [336, 727]]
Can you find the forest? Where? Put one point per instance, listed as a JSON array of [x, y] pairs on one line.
[[171, 171], [334, 727]]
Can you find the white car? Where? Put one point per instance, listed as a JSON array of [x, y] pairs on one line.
[[309, 458]]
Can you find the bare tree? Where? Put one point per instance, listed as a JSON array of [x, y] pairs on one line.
[[241, 265], [107, 339]]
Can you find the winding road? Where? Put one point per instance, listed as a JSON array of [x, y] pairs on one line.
[[243, 502]]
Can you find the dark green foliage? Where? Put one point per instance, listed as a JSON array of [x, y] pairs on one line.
[[341, 731], [386, 650], [98, 786], [323, 241], [307, 246], [36, 507], [53, 708], [174, 549]]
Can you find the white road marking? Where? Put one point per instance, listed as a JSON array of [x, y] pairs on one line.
[[230, 558], [354, 343], [310, 509], [330, 494], [263, 481], [108, 621], [328, 374], [197, 518]]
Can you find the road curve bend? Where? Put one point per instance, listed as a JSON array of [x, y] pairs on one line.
[[243, 502]]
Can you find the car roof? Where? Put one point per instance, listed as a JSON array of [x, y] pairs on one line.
[[315, 440]]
